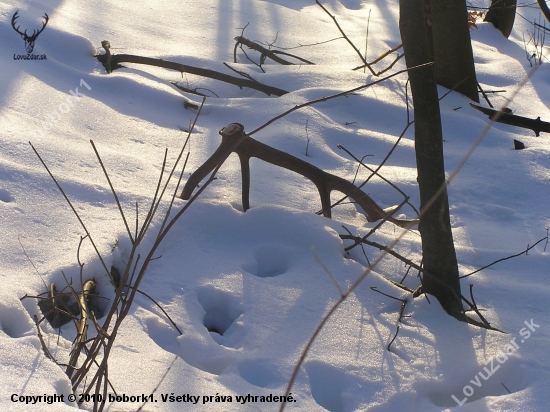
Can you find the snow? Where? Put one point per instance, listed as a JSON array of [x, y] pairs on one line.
[[247, 290]]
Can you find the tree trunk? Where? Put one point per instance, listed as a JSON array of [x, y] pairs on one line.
[[452, 47], [439, 255], [544, 8], [502, 14]]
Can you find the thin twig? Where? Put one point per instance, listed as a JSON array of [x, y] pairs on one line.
[[150, 213], [382, 56], [394, 336], [161, 380], [324, 99], [74, 211], [308, 45], [506, 258], [31, 262], [374, 288], [154, 203], [346, 37], [484, 323], [160, 307], [113, 191], [44, 347], [358, 241], [379, 175], [293, 56], [245, 75], [367, 41], [399, 57], [484, 95]]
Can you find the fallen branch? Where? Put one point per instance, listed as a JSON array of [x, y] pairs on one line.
[[248, 147], [111, 62], [272, 54], [536, 125]]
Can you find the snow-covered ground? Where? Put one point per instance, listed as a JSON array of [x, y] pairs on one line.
[[255, 276]]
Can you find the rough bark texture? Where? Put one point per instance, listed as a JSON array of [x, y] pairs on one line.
[[439, 255], [502, 14], [452, 47]]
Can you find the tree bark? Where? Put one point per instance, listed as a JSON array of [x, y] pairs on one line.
[[438, 250], [544, 8], [502, 14], [452, 47]]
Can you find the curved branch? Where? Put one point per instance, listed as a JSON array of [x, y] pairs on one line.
[[325, 182], [111, 62]]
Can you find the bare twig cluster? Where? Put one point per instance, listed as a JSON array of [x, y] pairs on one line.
[[92, 374], [534, 44]]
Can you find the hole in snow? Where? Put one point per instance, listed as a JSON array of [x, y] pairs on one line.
[[222, 309], [327, 384], [261, 373], [5, 196], [270, 260]]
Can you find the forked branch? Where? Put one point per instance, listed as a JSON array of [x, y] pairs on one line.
[[325, 182]]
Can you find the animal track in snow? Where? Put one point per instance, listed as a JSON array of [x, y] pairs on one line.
[[334, 389], [510, 373], [222, 310], [159, 330], [6, 196], [261, 373], [270, 260], [327, 384], [213, 349], [14, 321]]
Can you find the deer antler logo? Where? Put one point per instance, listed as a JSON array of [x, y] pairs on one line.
[[29, 40]]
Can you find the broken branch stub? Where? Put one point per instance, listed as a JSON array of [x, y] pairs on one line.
[[536, 125], [325, 182]]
